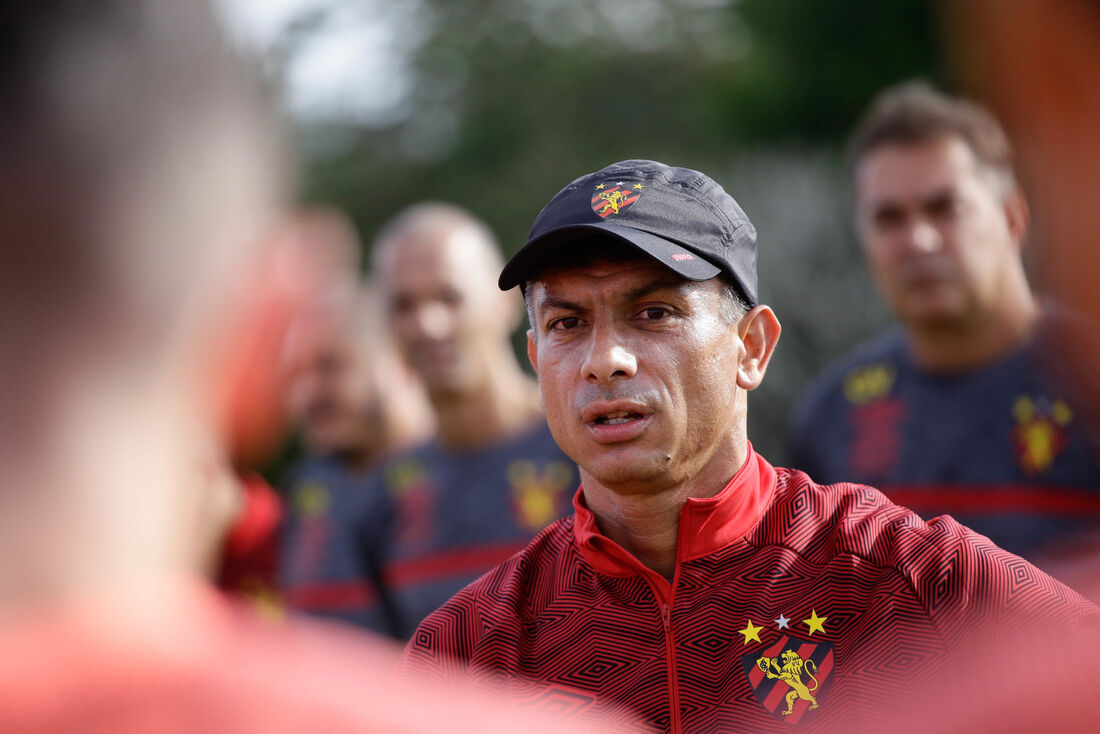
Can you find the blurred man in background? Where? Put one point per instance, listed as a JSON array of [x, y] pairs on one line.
[[456, 506], [143, 306], [354, 402], [348, 393], [958, 410]]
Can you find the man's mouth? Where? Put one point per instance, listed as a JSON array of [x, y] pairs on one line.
[[614, 419], [610, 423]]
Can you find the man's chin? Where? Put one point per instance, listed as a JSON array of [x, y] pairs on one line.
[[444, 384], [934, 319], [445, 391], [627, 474], [932, 310]]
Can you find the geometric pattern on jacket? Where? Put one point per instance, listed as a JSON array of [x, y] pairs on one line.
[[575, 626]]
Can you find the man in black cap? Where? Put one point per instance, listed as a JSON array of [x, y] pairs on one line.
[[696, 583]]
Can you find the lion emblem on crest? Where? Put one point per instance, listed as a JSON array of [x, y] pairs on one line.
[[790, 672], [616, 200]]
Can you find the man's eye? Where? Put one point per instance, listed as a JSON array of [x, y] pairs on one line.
[[888, 218], [450, 297], [401, 305], [565, 324], [654, 313], [943, 207]]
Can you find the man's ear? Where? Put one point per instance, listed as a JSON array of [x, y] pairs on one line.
[[532, 350], [759, 332], [1017, 215]]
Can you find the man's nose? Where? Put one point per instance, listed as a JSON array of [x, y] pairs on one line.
[[924, 236], [429, 320], [609, 357]]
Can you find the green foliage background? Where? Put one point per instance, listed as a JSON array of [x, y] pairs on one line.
[[511, 99]]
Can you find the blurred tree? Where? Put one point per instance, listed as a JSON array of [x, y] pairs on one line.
[[513, 98]]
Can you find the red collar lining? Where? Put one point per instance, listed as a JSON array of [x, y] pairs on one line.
[[707, 524]]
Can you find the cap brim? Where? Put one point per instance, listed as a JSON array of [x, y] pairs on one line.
[[677, 258]]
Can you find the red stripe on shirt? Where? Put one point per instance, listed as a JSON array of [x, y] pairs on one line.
[[331, 596], [451, 563], [995, 498]]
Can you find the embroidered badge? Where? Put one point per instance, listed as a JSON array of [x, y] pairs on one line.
[[869, 382], [537, 496], [312, 503], [611, 199], [311, 499], [791, 676], [876, 417], [876, 441], [1039, 435], [414, 496]]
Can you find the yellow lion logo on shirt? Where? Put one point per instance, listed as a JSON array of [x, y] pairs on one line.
[[791, 674]]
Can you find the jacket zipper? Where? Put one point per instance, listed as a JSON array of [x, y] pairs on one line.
[[664, 606], [673, 688]]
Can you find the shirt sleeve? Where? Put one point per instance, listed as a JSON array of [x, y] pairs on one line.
[[974, 590]]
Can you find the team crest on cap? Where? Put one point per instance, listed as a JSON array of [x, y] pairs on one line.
[[612, 198]]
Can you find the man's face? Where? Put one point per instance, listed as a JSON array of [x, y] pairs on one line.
[[934, 230], [444, 310], [638, 371], [332, 394]]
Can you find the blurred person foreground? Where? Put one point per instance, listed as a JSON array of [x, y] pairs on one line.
[[963, 408], [354, 402], [443, 513], [1037, 62], [138, 285], [695, 583]]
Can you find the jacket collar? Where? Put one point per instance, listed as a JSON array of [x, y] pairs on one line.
[[707, 524]]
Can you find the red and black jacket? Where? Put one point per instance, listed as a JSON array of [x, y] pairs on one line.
[[781, 585]]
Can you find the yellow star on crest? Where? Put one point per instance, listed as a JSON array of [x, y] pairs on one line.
[[815, 623], [639, 186], [751, 632], [599, 186]]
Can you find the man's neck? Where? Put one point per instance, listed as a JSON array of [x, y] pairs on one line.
[[499, 408], [647, 524], [976, 342], [148, 496]]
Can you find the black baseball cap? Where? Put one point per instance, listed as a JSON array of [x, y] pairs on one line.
[[679, 217]]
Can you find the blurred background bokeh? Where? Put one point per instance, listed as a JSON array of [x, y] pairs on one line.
[[496, 104]]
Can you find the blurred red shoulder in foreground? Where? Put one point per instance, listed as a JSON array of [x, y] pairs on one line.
[[186, 660]]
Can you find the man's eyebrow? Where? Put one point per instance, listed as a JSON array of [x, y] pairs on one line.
[[554, 302], [947, 192], [550, 301], [657, 284]]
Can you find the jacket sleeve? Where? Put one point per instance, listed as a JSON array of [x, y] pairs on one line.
[[974, 590], [443, 645]]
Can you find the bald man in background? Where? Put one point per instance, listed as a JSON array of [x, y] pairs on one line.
[[451, 509], [354, 403]]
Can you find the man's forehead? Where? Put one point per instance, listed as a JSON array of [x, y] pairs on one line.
[[454, 255], [909, 167], [625, 278]]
